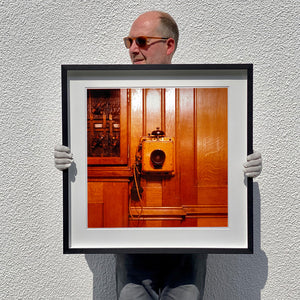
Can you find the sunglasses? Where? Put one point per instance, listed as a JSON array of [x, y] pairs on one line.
[[141, 41]]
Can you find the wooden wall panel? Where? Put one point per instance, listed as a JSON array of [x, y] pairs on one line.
[[153, 112], [107, 203], [212, 221], [95, 204], [185, 145], [197, 118], [185, 149], [211, 111], [152, 109], [153, 192], [115, 204], [136, 120], [171, 185], [197, 194]]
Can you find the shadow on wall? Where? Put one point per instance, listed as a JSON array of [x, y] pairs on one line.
[[239, 276], [104, 281]]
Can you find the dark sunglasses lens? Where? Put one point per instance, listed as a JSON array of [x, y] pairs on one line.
[[141, 41]]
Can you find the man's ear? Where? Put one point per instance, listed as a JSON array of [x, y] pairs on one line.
[[170, 46]]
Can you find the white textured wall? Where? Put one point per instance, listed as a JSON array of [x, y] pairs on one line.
[[36, 37]]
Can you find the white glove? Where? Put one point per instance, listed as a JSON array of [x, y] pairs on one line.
[[253, 166], [63, 157]]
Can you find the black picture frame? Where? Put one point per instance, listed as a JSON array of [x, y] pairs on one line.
[[88, 75]]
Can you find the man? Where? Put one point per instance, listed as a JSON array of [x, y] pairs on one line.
[[153, 39], [160, 48]]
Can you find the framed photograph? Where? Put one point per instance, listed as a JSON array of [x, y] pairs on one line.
[[158, 158]]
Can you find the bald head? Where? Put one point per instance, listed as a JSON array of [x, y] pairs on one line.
[[157, 51], [166, 25]]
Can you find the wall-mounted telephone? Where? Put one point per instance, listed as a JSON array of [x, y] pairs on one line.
[[158, 153], [155, 156]]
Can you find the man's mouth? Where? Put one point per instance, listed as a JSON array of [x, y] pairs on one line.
[[138, 61]]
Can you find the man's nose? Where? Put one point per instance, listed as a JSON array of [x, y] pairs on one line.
[[134, 48]]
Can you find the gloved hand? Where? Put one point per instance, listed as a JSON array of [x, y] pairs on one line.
[[63, 157], [253, 166]]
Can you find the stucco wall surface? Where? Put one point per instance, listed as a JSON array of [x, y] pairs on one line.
[[37, 36]]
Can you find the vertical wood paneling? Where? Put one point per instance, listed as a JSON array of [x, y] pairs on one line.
[[95, 215], [107, 204], [212, 145], [95, 204], [153, 109], [185, 146], [163, 109], [212, 136], [115, 204], [153, 191], [136, 120], [170, 112], [95, 192], [153, 188], [171, 195], [154, 112]]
